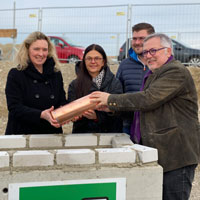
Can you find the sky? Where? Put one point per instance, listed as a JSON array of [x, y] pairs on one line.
[[8, 4], [177, 19]]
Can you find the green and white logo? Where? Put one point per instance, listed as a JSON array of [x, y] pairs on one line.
[[90, 189]]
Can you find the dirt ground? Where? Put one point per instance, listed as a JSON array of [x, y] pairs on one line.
[[68, 75]]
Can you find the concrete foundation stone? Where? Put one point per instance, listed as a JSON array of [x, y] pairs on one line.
[[146, 154], [117, 155], [60, 157], [143, 183], [45, 141], [4, 159], [32, 158], [77, 140], [12, 141], [75, 156], [121, 140], [106, 139]]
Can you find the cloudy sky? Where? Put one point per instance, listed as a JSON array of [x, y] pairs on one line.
[[97, 20], [8, 4]]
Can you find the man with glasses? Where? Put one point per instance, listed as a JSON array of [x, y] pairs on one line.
[[168, 115], [132, 70]]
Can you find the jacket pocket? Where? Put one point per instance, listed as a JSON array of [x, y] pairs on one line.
[[170, 147], [166, 131]]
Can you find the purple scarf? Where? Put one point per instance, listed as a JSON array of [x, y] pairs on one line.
[[135, 126]]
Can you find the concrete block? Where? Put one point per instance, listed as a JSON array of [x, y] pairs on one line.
[[32, 158], [4, 159], [106, 138], [146, 154], [80, 140], [48, 140], [121, 140], [12, 141], [117, 155], [144, 183], [75, 157]]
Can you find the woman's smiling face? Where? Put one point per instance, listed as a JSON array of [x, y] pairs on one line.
[[38, 52], [94, 62]]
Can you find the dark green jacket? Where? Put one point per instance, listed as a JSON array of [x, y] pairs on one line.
[[169, 115]]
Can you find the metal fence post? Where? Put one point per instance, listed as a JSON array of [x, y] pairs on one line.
[[117, 44], [40, 19], [14, 38], [128, 27]]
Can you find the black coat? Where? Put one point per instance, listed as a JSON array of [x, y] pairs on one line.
[[105, 123], [28, 93]]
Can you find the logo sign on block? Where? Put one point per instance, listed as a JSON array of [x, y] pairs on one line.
[[90, 189]]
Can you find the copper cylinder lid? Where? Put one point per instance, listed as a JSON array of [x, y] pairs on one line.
[[75, 108]]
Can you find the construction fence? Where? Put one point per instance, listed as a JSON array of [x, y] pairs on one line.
[[108, 26]]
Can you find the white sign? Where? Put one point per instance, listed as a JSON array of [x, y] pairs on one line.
[[89, 189]]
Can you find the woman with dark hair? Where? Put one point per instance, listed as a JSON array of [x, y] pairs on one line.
[[95, 75]]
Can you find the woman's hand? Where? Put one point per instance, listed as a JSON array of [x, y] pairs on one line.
[[76, 118], [46, 114], [90, 114]]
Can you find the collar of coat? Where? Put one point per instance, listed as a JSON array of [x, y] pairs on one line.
[[48, 70]]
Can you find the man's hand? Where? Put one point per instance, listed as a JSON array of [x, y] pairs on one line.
[[101, 98]]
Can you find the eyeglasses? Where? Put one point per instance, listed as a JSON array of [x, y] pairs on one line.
[[152, 51], [90, 59]]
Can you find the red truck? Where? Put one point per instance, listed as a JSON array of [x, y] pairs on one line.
[[66, 50]]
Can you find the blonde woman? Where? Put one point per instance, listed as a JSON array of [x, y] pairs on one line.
[[34, 88]]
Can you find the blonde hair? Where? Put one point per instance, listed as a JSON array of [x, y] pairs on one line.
[[22, 57]]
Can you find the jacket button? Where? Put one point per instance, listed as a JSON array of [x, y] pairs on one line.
[[114, 104], [52, 96], [37, 96], [34, 81], [46, 82], [110, 104]]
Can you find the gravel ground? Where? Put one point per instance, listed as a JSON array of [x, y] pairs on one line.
[[68, 75]]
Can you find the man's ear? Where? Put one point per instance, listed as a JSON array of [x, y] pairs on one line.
[[168, 52]]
